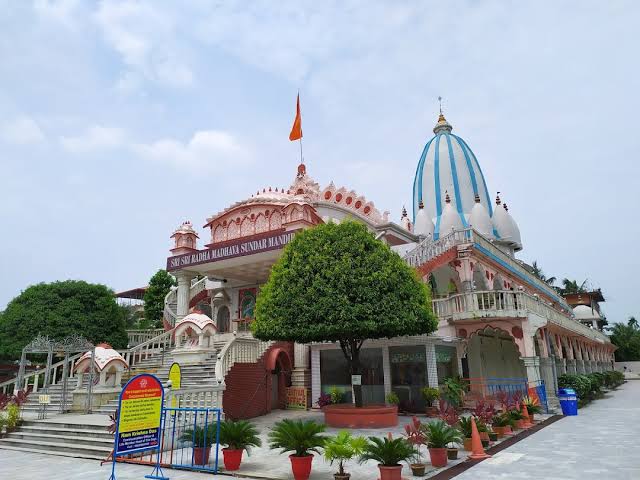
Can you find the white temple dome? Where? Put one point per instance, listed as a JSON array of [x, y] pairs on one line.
[[197, 319], [505, 226], [448, 164], [480, 220], [423, 225], [105, 355]]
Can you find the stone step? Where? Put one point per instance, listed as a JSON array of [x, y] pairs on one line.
[[72, 454], [62, 425], [77, 431], [31, 437], [55, 447]]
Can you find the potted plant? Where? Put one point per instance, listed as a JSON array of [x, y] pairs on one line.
[[517, 419], [392, 398], [238, 436], [501, 424], [388, 452], [415, 436], [449, 415], [430, 395], [439, 435], [533, 406], [342, 448], [202, 439], [465, 429], [453, 389], [300, 437], [483, 431]]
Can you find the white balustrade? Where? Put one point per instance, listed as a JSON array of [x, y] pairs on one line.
[[200, 397], [32, 379], [136, 337], [239, 350], [154, 346]]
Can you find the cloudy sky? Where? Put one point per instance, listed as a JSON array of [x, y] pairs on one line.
[[119, 120]]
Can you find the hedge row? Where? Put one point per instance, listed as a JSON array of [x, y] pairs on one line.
[[589, 386]]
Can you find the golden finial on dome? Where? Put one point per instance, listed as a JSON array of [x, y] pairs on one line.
[[442, 124]]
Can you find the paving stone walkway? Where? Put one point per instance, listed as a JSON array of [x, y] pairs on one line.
[[601, 443]]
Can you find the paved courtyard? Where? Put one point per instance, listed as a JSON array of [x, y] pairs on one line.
[[594, 445], [600, 443]]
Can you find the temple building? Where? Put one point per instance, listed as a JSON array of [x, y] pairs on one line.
[[496, 319]]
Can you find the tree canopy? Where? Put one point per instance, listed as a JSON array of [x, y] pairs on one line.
[[627, 338], [159, 286], [337, 283], [60, 309]]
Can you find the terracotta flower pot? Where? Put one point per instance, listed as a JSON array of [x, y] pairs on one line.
[[466, 444], [484, 436], [201, 455], [393, 472], [301, 466], [507, 430], [232, 458], [337, 476], [431, 411], [452, 453], [438, 457], [520, 424], [418, 469]]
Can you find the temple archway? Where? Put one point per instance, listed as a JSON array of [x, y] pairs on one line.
[[494, 353]]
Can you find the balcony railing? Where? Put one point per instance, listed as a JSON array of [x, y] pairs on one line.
[[507, 303], [429, 249]]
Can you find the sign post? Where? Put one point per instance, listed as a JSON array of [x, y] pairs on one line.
[[175, 376], [139, 423]]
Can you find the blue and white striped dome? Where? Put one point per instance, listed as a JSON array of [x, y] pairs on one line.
[[447, 165]]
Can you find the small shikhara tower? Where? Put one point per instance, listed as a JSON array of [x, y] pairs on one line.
[[186, 239]]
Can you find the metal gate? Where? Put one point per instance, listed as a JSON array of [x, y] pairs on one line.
[[189, 440]]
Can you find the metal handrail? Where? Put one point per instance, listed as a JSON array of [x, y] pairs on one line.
[[239, 350], [35, 375]]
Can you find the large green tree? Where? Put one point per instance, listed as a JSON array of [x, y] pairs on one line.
[[627, 338], [337, 283], [60, 309], [159, 286]]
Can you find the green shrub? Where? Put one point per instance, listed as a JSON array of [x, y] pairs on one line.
[[13, 415], [387, 451], [239, 435], [613, 379], [298, 436]]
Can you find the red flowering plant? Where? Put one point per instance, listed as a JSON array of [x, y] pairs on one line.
[[448, 413], [20, 397], [484, 411], [414, 433]]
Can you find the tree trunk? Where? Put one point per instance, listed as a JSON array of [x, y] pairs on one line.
[[351, 350]]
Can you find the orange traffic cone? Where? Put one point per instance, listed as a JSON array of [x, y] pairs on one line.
[[525, 414], [477, 452]]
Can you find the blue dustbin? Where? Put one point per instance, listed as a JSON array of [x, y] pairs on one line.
[[568, 401]]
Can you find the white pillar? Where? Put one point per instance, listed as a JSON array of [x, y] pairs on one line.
[[386, 370], [432, 370], [184, 290], [301, 375], [315, 376]]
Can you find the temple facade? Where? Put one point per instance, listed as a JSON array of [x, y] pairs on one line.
[[496, 319]]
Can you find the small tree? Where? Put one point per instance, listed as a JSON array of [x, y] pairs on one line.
[[159, 286], [337, 283]]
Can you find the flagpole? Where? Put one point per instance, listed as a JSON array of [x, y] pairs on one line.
[[301, 161]]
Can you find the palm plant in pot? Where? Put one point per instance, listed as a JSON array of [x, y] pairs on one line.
[[465, 429], [532, 405], [238, 436], [450, 416], [517, 419], [202, 438], [303, 438], [388, 452], [501, 424], [439, 435], [430, 395], [342, 448], [414, 433]]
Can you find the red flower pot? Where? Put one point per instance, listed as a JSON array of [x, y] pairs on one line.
[[201, 455], [301, 466], [484, 436], [393, 472], [520, 424], [466, 444], [438, 457], [232, 458]]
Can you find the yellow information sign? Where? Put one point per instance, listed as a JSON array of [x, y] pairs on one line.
[[175, 376], [140, 414]]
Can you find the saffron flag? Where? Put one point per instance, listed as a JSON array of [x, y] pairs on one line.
[[296, 130]]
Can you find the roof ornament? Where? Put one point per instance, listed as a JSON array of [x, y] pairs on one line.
[[447, 198], [498, 201], [477, 198], [404, 212], [505, 207], [442, 125], [421, 205]]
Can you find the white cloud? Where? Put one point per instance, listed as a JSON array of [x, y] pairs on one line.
[[21, 130], [146, 39], [94, 138], [206, 150], [61, 11]]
